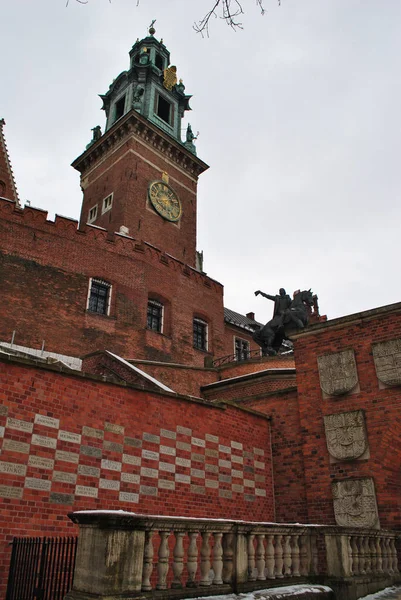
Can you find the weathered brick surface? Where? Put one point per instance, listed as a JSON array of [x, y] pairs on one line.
[[181, 379], [45, 269], [256, 385], [83, 430], [256, 364], [382, 411]]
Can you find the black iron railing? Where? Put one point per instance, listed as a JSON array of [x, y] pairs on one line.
[[237, 357], [41, 568]]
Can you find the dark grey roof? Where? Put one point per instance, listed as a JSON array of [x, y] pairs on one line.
[[239, 320]]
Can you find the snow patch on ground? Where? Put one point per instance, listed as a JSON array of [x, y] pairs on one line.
[[277, 592], [390, 592]]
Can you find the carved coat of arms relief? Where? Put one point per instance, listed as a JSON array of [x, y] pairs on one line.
[[387, 358], [355, 503], [346, 435], [337, 372]]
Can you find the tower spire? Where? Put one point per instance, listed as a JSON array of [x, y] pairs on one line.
[[8, 188]]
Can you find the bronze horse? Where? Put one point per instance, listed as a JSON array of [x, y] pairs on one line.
[[271, 336]]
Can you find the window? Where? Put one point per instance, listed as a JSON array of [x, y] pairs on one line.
[[241, 349], [99, 297], [159, 62], [163, 109], [155, 316], [119, 108], [92, 215], [107, 203], [200, 335]]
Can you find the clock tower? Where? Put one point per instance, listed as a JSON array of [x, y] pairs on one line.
[[139, 178]]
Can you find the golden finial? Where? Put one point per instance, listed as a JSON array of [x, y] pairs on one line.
[[165, 177]]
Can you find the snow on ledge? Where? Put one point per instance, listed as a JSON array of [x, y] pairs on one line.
[[141, 373]]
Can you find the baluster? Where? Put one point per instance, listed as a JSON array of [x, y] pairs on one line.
[[147, 561], [217, 559], [350, 557], [192, 562], [355, 556], [394, 556], [205, 559], [361, 547], [228, 555], [389, 556], [287, 556], [270, 557], [178, 560], [162, 565], [295, 556], [260, 557], [315, 555], [368, 562], [373, 555], [278, 556], [384, 554], [379, 559], [303, 555], [251, 558]]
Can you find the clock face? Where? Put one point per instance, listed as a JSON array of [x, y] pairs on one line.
[[165, 201]]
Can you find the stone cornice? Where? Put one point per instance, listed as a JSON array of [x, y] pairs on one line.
[[134, 124]]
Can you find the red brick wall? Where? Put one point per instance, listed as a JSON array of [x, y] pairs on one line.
[[45, 267], [126, 172], [256, 364], [58, 431], [251, 387], [183, 380], [288, 464], [382, 411]]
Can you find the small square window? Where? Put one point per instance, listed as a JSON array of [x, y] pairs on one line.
[[107, 203], [241, 349], [92, 215], [99, 297], [155, 316], [164, 109], [200, 334]]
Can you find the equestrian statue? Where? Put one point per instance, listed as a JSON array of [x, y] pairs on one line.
[[288, 315]]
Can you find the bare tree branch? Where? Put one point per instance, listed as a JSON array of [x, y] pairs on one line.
[[228, 10]]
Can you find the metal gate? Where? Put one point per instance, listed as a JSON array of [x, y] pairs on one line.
[[41, 568]]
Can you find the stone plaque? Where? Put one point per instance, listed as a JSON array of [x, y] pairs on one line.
[[249, 483], [212, 468], [225, 494], [168, 467], [182, 462], [88, 471], [112, 465], [184, 430], [150, 455], [168, 434], [150, 437], [2, 429], [198, 442], [90, 432], [45, 442], [109, 484], [33, 483], [6, 491], [260, 492], [181, 478], [84, 490], [212, 438], [237, 459], [59, 498], [70, 457], [236, 445], [19, 425], [225, 478], [224, 449], [237, 487], [197, 457], [355, 503], [152, 473], [119, 429], [14, 446], [337, 372], [12, 468], [133, 442], [236, 473], [164, 484], [259, 465], [131, 460], [346, 435], [211, 483], [387, 357], [167, 450], [211, 452], [113, 447], [91, 451], [127, 497], [198, 489], [249, 498], [47, 421], [225, 464], [259, 451], [41, 463], [130, 477], [67, 436], [63, 477], [148, 490], [3, 410]]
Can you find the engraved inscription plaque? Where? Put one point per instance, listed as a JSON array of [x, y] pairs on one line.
[[387, 357], [346, 435], [47, 421], [355, 503], [337, 372]]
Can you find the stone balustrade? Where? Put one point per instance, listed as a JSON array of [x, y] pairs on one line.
[[123, 554]]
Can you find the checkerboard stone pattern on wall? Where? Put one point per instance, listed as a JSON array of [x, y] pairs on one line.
[[41, 454]]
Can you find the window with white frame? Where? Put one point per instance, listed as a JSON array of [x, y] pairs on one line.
[[99, 297], [107, 203], [155, 316], [200, 334], [92, 215], [241, 349]]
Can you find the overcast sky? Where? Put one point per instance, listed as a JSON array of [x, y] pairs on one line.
[[299, 117]]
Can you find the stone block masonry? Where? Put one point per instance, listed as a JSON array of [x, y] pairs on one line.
[[74, 442]]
